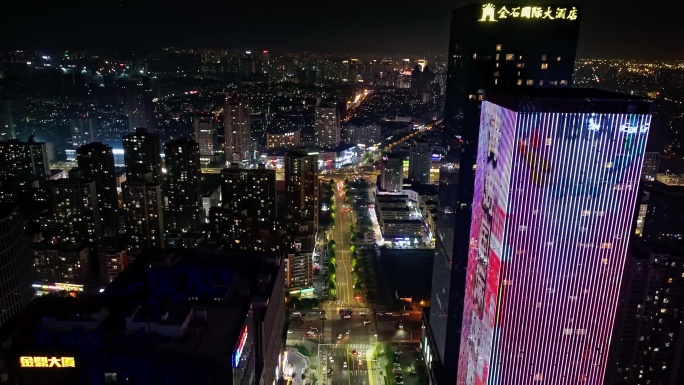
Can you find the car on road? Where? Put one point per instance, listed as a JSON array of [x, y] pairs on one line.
[[324, 317], [346, 316], [354, 352], [398, 352], [347, 331], [297, 313], [360, 362], [366, 322], [289, 331], [344, 365], [313, 328], [329, 370], [404, 313], [339, 336], [331, 359], [362, 313]]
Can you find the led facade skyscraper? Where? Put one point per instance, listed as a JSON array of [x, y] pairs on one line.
[[489, 46], [555, 192]]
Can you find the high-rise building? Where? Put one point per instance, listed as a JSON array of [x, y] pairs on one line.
[[237, 130], [82, 131], [515, 50], [648, 340], [298, 270], [664, 217], [251, 192], [327, 126], [8, 118], [204, 136], [419, 162], [15, 288], [96, 162], [139, 106], [301, 184], [24, 160], [391, 174], [368, 135], [554, 198], [60, 264], [183, 179], [142, 156], [76, 213], [283, 139], [144, 213]]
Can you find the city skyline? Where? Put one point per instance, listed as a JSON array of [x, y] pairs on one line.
[[367, 27]]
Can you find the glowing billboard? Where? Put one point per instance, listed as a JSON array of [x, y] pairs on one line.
[[553, 203], [240, 346], [493, 13], [46, 362]]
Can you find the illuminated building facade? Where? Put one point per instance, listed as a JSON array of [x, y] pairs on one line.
[[204, 135], [144, 215], [391, 174], [139, 106], [76, 213], [516, 51], [27, 161], [159, 322], [419, 162], [301, 183], [15, 289], [183, 185], [142, 156], [67, 264], [82, 131], [250, 191], [96, 162], [283, 139], [327, 126], [237, 135], [298, 270], [555, 194]]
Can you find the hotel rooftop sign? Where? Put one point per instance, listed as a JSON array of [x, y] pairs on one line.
[[492, 13]]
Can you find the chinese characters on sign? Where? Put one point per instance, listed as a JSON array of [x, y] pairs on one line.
[[491, 13], [47, 362]]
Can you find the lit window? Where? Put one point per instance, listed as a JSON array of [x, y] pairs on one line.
[[480, 97], [497, 65], [519, 82], [471, 97], [520, 57], [498, 47], [541, 82], [496, 74], [585, 213], [606, 245], [544, 66], [474, 56], [530, 82], [558, 58], [564, 82], [497, 56], [543, 57], [510, 56], [496, 81], [553, 82], [520, 65]]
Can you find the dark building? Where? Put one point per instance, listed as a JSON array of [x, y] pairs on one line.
[[183, 180], [489, 46], [158, 322], [15, 288], [8, 117], [301, 184], [664, 218], [76, 215], [142, 156], [648, 339], [139, 107], [96, 162]]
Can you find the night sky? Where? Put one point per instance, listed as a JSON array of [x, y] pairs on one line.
[[610, 28]]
